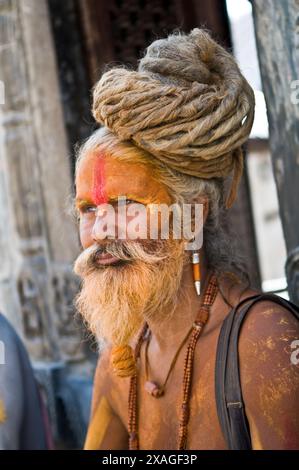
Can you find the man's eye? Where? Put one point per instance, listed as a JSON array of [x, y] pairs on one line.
[[88, 209], [123, 202]]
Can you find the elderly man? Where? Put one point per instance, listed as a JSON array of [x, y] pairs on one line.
[[172, 134]]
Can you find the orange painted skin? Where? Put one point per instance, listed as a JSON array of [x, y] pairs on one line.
[[270, 382], [100, 180]]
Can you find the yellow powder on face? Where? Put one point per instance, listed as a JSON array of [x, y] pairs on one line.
[[98, 425], [2, 412]]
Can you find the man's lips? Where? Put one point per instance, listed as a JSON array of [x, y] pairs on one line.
[[106, 258]]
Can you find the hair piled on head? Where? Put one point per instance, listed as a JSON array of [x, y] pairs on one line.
[[188, 105]]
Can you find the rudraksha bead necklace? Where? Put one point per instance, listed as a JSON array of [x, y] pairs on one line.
[[208, 297]]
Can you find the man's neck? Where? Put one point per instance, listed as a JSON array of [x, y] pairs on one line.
[[168, 335]]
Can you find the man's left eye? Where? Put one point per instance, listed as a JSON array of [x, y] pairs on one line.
[[88, 209], [127, 201]]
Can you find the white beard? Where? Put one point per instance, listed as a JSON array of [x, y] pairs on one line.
[[115, 301]]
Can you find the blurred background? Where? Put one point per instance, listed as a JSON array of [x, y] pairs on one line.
[[51, 54]]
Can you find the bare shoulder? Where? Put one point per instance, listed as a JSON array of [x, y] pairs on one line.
[[102, 379], [269, 375], [271, 328]]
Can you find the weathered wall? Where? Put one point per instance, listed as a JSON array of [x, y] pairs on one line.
[[38, 241], [277, 33]]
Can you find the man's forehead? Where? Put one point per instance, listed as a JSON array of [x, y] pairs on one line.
[[102, 177], [110, 166]]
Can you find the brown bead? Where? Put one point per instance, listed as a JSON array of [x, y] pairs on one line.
[[203, 314]]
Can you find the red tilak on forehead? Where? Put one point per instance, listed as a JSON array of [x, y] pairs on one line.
[[98, 192]]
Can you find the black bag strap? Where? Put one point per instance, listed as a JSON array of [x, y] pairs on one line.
[[229, 400]]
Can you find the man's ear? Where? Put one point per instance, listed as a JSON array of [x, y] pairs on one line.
[[205, 206], [197, 229]]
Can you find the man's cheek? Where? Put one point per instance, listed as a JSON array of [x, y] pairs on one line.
[[137, 223], [85, 232]]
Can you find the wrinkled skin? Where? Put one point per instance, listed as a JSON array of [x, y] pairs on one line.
[[270, 382]]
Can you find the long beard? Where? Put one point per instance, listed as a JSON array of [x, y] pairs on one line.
[[115, 300]]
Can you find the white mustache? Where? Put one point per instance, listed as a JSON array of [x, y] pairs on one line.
[[125, 251]]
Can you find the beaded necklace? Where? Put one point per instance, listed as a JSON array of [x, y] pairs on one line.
[[208, 297]]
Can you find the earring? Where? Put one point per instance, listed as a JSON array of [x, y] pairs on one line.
[[196, 271]]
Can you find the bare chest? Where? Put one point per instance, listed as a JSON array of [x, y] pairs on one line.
[[158, 418]]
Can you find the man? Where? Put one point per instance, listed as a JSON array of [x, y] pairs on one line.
[[172, 135]]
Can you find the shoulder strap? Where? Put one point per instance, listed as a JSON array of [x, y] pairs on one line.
[[229, 400]]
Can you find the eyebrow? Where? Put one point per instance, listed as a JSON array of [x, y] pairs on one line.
[[82, 202]]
